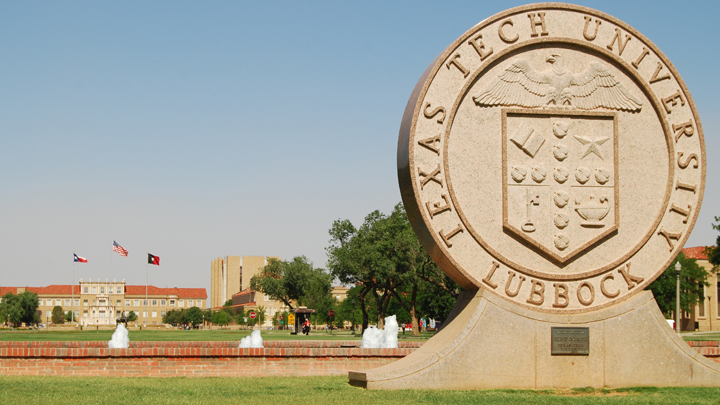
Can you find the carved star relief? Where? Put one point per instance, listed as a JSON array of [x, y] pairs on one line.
[[592, 145]]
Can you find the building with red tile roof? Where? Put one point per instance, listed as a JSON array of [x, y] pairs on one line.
[[100, 302], [706, 314]]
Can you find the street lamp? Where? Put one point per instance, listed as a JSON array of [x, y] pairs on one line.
[[678, 267]]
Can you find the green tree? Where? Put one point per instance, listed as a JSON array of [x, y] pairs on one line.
[[261, 314], [360, 256], [713, 252], [241, 315], [692, 278], [19, 308], [132, 316], [193, 316], [294, 281], [58, 316], [221, 318], [68, 316]]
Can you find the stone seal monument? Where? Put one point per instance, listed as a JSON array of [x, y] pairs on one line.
[[552, 162]]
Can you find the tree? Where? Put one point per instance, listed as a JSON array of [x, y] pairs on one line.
[[713, 252], [193, 316], [174, 317], [692, 278], [360, 256], [58, 316], [221, 318], [20, 308], [294, 281], [68, 316], [132, 316], [261, 314]]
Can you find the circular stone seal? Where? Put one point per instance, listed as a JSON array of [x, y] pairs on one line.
[[552, 155]]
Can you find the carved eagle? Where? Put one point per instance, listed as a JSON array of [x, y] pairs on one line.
[[522, 86]]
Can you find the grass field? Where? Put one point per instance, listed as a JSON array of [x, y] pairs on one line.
[[174, 335], [288, 390]]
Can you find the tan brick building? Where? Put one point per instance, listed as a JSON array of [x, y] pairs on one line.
[[101, 302], [231, 274], [707, 313]]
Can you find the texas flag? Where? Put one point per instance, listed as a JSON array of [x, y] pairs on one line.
[[80, 259], [153, 259]]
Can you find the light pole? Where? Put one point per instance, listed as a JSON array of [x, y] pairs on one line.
[[678, 267]]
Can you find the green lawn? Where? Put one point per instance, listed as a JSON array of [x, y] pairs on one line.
[[174, 335], [288, 390]]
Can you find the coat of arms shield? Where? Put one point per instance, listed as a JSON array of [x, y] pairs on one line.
[[560, 181]]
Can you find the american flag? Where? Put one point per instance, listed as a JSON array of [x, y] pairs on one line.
[[119, 249]]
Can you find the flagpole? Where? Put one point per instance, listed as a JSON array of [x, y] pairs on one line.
[[146, 290], [72, 287], [110, 292]]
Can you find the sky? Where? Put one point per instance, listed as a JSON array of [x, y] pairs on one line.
[[197, 130]]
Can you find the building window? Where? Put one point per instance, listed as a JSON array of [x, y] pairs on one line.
[[172, 303], [101, 303], [85, 290], [85, 303], [127, 303], [162, 303], [77, 315], [102, 314], [48, 314], [181, 303], [144, 314], [94, 290], [102, 290], [199, 303], [85, 312], [76, 302], [145, 303], [119, 290], [154, 303], [67, 303], [137, 303], [118, 303], [162, 313], [190, 303], [154, 314]]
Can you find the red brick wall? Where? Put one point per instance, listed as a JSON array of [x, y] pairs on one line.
[[165, 359]]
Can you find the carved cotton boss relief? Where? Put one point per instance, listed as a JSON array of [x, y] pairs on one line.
[[553, 156]]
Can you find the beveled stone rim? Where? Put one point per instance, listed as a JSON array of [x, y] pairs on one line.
[[405, 161]]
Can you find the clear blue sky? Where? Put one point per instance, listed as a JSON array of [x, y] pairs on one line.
[[203, 129]]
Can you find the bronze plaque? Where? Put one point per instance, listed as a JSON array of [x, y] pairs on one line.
[[571, 341]]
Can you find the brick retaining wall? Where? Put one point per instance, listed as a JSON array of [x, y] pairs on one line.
[[193, 359]]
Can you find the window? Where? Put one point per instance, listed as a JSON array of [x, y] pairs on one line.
[[162, 303], [67, 303], [48, 314], [119, 290], [102, 302], [85, 303], [154, 314], [172, 303], [77, 314], [137, 303], [85, 290], [127, 303], [102, 314], [145, 303], [102, 290], [94, 290], [181, 303], [199, 303], [144, 314], [190, 303], [118, 303], [85, 312], [162, 313], [154, 303], [76, 302]]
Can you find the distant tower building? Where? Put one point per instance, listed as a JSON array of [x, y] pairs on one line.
[[232, 274]]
